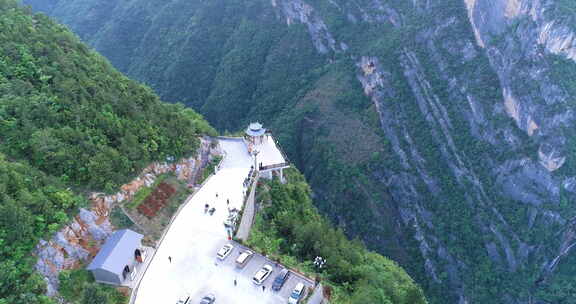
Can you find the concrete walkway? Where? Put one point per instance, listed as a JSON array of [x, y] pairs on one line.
[[248, 213], [185, 262], [318, 295], [140, 268]]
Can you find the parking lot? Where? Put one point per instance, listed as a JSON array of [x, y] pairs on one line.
[[228, 271], [185, 263]]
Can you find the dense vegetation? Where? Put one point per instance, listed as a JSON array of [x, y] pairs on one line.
[[81, 120], [290, 228], [78, 287], [68, 122], [438, 150], [32, 205]]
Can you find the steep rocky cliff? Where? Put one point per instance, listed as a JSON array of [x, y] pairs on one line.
[[439, 131]]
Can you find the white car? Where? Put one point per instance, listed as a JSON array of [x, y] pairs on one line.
[[296, 294], [224, 251], [262, 274]]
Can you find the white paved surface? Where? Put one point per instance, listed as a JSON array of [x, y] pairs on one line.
[[269, 153], [194, 238]]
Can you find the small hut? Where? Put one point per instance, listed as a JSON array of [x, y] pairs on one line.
[[117, 259]]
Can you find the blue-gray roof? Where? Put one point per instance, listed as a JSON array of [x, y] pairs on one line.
[[117, 252], [255, 129]]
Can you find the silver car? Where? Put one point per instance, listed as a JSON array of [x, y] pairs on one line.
[[262, 274], [208, 299]]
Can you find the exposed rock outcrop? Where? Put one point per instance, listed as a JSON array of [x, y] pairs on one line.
[[508, 34], [80, 240]]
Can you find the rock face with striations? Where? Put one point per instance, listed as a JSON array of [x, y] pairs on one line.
[[439, 131]]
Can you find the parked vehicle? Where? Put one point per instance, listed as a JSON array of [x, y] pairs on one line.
[[280, 279], [262, 274], [184, 300], [296, 294], [224, 251], [243, 258], [208, 299]]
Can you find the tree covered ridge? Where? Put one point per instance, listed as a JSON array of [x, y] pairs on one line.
[[290, 228], [68, 120], [32, 205], [67, 111]]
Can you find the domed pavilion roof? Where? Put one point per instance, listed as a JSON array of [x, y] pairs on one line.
[[255, 129]]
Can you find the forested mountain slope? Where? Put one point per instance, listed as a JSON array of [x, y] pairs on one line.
[[439, 131], [289, 228], [69, 122]]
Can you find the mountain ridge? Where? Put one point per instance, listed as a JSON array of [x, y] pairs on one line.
[[69, 122], [472, 174]]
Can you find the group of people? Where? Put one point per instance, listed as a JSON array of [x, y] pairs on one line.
[[247, 179], [207, 209]]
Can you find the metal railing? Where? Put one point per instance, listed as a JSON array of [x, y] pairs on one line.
[[276, 166]]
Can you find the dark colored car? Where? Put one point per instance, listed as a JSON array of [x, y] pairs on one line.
[[184, 300], [208, 299], [280, 279]]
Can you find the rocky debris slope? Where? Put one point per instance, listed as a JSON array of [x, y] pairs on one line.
[[78, 242]]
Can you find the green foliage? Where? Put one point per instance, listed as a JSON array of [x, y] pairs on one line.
[[68, 119], [289, 226], [79, 287], [32, 206], [119, 219], [210, 169], [83, 121], [219, 57], [249, 66]]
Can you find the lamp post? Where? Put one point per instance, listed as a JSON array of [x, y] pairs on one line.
[[255, 153]]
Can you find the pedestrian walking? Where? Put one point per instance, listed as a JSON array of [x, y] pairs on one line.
[[235, 283], [227, 201], [263, 288], [170, 259]]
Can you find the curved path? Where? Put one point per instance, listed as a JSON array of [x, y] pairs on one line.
[[194, 237]]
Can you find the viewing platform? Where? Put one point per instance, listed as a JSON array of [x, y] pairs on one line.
[[268, 157]]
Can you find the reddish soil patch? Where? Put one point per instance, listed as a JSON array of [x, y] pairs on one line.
[[156, 200], [124, 290]]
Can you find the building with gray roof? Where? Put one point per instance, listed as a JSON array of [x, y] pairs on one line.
[[117, 259]]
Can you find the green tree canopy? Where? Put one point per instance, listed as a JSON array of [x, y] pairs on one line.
[[68, 121]]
